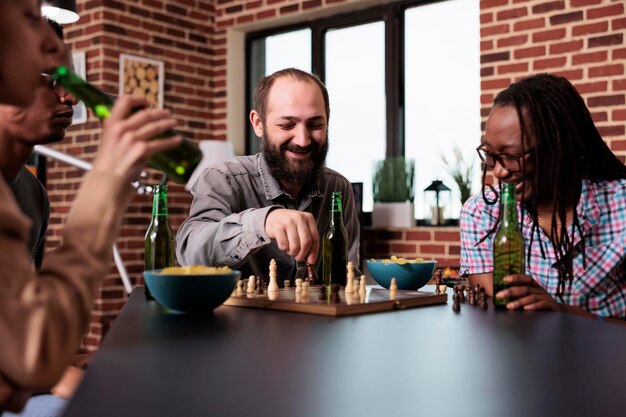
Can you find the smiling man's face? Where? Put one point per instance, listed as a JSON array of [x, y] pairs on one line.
[[295, 130]]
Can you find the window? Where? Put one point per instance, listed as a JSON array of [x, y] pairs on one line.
[[442, 93], [271, 53], [355, 68], [400, 81]]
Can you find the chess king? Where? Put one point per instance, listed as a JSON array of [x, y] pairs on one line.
[[272, 205]]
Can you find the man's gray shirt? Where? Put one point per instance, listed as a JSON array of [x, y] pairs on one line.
[[226, 223]]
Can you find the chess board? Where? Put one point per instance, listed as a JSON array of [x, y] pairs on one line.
[[375, 300]]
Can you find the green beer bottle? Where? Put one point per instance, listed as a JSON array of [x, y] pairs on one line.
[[508, 244], [335, 246], [159, 240], [178, 163]]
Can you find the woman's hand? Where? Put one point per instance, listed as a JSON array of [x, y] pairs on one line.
[[525, 293], [127, 143]]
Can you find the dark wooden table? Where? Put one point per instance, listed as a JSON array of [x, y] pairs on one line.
[[426, 361]]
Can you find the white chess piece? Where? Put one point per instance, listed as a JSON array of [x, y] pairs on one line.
[[362, 289], [393, 289], [251, 284], [350, 279], [273, 285], [298, 285], [239, 290]]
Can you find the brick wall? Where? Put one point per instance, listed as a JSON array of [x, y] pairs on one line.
[[440, 243], [581, 39], [179, 33]]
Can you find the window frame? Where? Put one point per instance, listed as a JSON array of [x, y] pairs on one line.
[[392, 14]]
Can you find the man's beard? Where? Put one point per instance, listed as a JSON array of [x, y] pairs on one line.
[[303, 172]]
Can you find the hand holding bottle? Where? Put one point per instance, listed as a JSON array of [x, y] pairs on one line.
[[295, 232], [126, 141], [525, 293]]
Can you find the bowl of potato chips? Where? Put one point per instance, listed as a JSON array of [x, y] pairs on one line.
[[410, 274], [191, 289]]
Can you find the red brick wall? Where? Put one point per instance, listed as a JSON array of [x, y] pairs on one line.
[[581, 39], [179, 33], [440, 243]]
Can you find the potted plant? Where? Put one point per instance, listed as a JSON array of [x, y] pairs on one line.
[[394, 193], [461, 172]]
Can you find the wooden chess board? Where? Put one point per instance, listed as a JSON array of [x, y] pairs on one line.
[[375, 300]]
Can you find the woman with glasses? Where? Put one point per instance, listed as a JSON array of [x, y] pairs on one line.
[[44, 314], [571, 192]]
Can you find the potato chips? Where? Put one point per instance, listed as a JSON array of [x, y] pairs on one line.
[[402, 261], [196, 270]]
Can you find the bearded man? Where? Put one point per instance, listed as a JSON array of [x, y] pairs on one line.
[[275, 204]]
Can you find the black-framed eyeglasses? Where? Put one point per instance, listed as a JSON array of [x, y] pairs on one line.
[[510, 162], [58, 89]]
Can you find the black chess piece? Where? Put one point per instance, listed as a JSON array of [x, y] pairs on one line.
[[311, 274], [334, 294], [439, 276], [456, 306], [322, 292], [460, 288], [259, 285]]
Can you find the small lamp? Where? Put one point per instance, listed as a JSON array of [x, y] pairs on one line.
[[60, 11], [213, 151], [436, 207]]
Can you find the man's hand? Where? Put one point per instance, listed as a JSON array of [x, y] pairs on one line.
[[295, 232], [526, 294]]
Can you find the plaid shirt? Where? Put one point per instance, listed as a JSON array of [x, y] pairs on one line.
[[600, 287]]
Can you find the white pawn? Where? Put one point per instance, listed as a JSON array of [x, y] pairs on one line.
[[298, 285], [251, 284], [362, 290], [350, 279], [273, 285], [287, 283], [239, 290], [393, 289]]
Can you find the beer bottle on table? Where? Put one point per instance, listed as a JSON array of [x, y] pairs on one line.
[[508, 244], [178, 163], [159, 241], [335, 246]]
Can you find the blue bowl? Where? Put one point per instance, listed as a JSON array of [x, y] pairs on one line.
[[190, 293], [409, 276]]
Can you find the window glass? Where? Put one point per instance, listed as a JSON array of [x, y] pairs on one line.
[[290, 49], [270, 54], [442, 94], [355, 78]]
